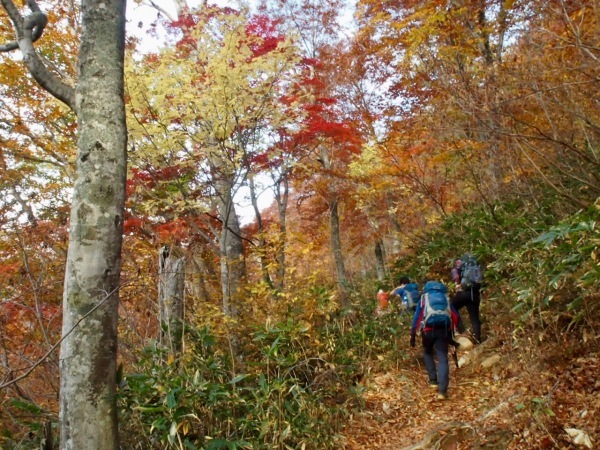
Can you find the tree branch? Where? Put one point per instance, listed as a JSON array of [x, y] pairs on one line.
[[55, 346], [29, 30]]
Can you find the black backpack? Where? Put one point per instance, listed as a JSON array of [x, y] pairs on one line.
[[470, 271]]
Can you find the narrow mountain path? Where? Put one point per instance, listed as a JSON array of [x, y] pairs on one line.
[[401, 408], [508, 395]]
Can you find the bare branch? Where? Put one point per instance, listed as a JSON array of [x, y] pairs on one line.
[[163, 11], [55, 346]]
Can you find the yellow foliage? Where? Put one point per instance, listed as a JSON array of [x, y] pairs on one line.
[[207, 103]]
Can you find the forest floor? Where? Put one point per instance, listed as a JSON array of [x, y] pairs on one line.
[[536, 391]]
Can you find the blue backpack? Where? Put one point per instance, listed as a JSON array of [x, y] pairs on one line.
[[410, 295], [436, 305]]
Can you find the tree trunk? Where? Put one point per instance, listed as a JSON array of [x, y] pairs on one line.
[[380, 260], [231, 248], [336, 249], [202, 274], [48, 440], [262, 243], [88, 355], [335, 236], [233, 265], [282, 202], [171, 278]]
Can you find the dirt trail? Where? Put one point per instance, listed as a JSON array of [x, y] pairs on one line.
[[525, 400]]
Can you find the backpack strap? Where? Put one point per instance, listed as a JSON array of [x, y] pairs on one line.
[[424, 303]]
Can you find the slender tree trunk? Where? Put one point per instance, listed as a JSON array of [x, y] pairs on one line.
[[336, 249], [262, 243], [281, 197], [396, 233], [201, 278], [335, 236], [231, 248], [233, 266], [380, 260], [88, 356], [171, 279]]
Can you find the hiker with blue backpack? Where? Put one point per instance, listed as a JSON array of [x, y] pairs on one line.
[[436, 320], [468, 278], [408, 293]]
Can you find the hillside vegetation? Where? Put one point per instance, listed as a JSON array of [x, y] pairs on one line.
[[283, 166], [317, 377]]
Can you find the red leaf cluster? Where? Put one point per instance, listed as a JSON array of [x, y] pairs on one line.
[[132, 223], [177, 229], [266, 29]]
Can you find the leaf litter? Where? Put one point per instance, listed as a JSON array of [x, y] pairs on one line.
[[538, 395]]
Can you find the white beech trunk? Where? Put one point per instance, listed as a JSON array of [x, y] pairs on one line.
[[88, 355], [231, 247], [233, 264], [171, 284], [336, 249], [262, 242]]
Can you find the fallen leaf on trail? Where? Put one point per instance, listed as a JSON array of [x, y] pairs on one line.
[[579, 437]]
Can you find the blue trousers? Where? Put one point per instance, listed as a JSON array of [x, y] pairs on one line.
[[437, 340]]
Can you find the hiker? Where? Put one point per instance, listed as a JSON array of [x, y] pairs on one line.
[[436, 320], [408, 293], [383, 303], [466, 274]]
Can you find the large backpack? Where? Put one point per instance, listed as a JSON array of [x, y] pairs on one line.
[[410, 295], [436, 305], [470, 271]]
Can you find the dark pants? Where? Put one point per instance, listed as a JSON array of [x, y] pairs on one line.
[[437, 339], [470, 298]]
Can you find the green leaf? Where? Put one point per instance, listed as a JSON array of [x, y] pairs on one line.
[[547, 238], [26, 406], [159, 424], [216, 444], [171, 398], [150, 409], [238, 378], [274, 345]]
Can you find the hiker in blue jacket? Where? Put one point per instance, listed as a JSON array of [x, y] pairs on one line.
[[436, 319], [408, 293], [468, 293]]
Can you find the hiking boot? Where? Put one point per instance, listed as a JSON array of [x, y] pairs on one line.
[[442, 396], [433, 384]]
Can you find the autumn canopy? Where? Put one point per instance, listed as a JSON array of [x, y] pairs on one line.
[[226, 202]]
